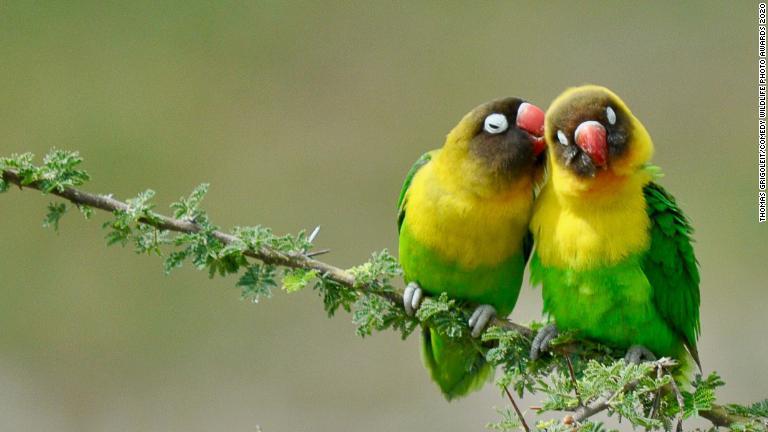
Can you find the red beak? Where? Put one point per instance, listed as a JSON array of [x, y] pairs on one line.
[[530, 118], [591, 137]]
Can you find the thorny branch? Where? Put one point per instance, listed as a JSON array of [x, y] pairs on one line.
[[265, 255], [585, 411]]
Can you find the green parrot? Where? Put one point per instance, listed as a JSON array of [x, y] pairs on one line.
[[613, 249], [463, 221]]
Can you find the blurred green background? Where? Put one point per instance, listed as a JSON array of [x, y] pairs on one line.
[[307, 113]]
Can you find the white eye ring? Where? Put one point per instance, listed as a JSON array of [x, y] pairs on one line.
[[562, 138], [611, 114], [495, 123]]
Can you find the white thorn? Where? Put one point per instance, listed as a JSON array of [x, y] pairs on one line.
[[314, 234]]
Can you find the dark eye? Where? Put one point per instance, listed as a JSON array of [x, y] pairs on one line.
[[611, 115], [495, 123]]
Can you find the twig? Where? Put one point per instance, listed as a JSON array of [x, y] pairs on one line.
[[317, 253], [573, 379], [657, 398], [601, 404], [265, 254], [517, 410], [680, 405]]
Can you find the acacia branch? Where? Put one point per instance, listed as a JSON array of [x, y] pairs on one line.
[[720, 417], [601, 404], [264, 254], [718, 414]]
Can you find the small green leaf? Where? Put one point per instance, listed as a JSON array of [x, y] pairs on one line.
[[377, 272], [444, 315], [257, 282], [149, 239], [59, 171], [55, 212], [298, 279], [125, 221], [703, 396], [188, 208], [87, 211], [374, 313], [509, 421], [335, 295], [175, 260]]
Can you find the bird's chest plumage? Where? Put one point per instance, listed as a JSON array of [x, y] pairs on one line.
[[467, 247], [589, 263], [465, 229], [584, 236]]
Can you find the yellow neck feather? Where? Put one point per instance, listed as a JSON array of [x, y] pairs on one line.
[[465, 217], [583, 224]]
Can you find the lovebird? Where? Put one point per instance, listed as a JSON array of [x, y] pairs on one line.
[[463, 220], [613, 249]]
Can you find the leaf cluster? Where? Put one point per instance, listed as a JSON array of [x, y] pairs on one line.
[[58, 172]]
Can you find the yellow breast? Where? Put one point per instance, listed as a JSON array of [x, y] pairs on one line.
[[464, 227], [594, 228]]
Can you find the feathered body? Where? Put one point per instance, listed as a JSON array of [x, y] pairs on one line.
[[459, 241], [464, 216], [613, 252]]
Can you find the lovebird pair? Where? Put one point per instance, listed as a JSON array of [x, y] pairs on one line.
[[612, 248]]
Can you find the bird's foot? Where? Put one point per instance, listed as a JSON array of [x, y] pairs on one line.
[[540, 344], [480, 319], [637, 354], [412, 298]]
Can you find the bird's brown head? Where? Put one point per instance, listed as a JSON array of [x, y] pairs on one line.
[[504, 137], [590, 131]]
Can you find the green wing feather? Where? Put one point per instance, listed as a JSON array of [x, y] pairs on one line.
[[423, 160], [671, 267]]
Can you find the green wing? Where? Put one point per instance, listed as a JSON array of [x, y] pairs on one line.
[[423, 160], [671, 267]]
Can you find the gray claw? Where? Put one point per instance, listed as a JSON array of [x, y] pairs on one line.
[[480, 319], [540, 344], [637, 354], [412, 298]]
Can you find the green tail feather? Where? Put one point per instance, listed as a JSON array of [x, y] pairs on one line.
[[688, 367], [456, 367]]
